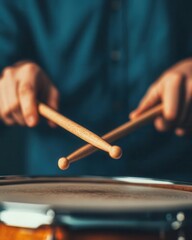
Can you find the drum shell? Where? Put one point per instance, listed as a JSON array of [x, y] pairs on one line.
[[61, 233]]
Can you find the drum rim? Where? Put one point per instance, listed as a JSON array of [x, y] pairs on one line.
[[5, 179], [137, 181]]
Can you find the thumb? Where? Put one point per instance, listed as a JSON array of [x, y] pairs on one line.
[[151, 98], [53, 101]]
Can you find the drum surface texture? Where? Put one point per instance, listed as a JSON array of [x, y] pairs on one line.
[[94, 195]]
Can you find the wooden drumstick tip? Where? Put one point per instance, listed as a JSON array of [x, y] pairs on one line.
[[63, 163], [115, 152]]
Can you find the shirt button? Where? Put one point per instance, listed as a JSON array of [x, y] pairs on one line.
[[115, 4], [115, 55]]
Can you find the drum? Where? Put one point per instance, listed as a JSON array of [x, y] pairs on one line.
[[45, 208]]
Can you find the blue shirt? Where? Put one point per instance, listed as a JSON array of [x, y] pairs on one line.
[[102, 55]]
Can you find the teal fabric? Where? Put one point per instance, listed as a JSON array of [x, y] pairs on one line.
[[102, 55]]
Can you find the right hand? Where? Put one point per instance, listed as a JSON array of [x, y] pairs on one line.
[[21, 86]]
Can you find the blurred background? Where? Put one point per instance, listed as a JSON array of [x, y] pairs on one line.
[[102, 55]]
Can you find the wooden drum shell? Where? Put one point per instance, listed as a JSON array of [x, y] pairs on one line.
[[59, 233]]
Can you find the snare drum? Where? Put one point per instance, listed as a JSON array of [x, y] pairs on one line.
[[94, 209]]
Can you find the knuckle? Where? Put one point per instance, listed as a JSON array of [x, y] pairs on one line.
[[30, 67], [7, 72], [154, 86], [157, 93], [153, 90], [175, 77], [150, 89], [25, 88]]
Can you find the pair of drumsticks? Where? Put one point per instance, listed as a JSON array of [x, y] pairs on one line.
[[95, 142]]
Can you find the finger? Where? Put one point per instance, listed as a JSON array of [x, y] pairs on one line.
[[161, 124], [5, 113], [13, 101], [183, 131], [28, 103], [185, 114], [172, 96], [53, 101], [152, 97], [180, 132]]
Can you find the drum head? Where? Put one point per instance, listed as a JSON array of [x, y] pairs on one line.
[[92, 197]]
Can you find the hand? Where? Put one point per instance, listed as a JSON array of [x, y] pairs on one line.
[[21, 86], [174, 90]]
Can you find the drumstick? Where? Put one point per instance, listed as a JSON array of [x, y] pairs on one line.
[[114, 135], [79, 131]]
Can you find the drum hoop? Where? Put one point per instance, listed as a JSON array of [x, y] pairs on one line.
[[132, 181]]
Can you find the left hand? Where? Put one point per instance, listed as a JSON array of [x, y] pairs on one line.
[[174, 90]]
